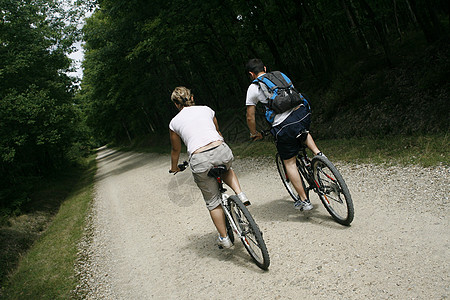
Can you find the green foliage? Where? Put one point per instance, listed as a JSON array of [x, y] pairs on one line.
[[371, 98], [38, 119], [138, 51]]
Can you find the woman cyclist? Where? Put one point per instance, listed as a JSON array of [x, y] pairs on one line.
[[197, 126]]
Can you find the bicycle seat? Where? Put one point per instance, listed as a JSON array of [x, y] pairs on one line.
[[302, 135], [217, 171]]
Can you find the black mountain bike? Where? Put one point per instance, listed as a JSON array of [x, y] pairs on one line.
[[320, 175], [239, 221]]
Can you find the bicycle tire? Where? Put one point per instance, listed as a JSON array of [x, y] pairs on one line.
[[250, 232], [332, 190], [229, 229], [286, 182]]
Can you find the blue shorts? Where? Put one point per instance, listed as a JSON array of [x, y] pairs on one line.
[[286, 133]]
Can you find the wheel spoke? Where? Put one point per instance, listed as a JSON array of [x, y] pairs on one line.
[[332, 190], [287, 182], [249, 233]]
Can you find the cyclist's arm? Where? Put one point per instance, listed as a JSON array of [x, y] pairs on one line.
[[251, 122], [217, 126], [175, 141]]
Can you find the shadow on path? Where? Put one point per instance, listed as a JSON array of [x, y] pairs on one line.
[[126, 161], [282, 210]]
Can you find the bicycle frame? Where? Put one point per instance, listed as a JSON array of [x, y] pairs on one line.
[[226, 211], [307, 172], [303, 169], [239, 221], [336, 185], [224, 204]]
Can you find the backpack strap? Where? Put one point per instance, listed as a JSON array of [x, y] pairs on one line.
[[276, 79], [273, 81], [270, 85]]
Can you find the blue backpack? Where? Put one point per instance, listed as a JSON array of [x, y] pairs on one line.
[[281, 96]]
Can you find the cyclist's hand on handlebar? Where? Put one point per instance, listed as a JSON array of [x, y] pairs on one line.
[[180, 168], [256, 137], [174, 171]]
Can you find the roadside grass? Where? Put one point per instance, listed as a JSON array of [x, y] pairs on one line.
[[423, 150], [40, 247], [426, 151]]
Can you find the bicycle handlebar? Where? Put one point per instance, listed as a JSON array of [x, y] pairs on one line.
[[265, 132], [182, 167]]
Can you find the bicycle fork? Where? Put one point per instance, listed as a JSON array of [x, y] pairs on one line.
[[226, 209], [325, 189]]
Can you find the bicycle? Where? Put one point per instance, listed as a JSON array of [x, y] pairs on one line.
[[239, 221], [320, 175]]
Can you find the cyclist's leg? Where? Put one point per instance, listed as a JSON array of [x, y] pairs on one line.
[[309, 142], [210, 191], [232, 181], [224, 156], [294, 177], [218, 218]]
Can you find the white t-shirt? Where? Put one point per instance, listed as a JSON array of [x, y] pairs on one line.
[[195, 126], [255, 94]]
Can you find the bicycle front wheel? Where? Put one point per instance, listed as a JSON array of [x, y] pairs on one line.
[[229, 229], [249, 233], [332, 190], [286, 181]]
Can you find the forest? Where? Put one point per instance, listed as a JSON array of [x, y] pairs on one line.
[[369, 67]]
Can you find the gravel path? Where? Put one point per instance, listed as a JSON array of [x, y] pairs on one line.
[[150, 236]]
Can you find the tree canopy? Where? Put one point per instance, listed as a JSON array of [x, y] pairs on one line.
[[39, 120], [138, 51]]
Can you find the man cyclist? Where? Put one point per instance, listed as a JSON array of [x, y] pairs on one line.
[[286, 127], [197, 126]]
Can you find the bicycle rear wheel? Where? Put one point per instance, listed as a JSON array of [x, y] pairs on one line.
[[332, 190], [286, 182], [251, 236]]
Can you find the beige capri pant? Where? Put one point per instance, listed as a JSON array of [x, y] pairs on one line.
[[204, 161]]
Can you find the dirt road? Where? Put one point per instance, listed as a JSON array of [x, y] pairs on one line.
[[150, 236]]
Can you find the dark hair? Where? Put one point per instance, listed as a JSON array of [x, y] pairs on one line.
[[254, 65]]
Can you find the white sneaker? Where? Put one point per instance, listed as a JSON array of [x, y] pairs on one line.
[[303, 205], [224, 242]]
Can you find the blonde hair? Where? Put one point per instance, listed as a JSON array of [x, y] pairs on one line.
[[182, 96]]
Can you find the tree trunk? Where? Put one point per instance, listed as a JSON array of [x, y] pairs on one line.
[[148, 123], [413, 15], [423, 21], [434, 20], [354, 15], [379, 29], [351, 21], [126, 130], [396, 20]]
